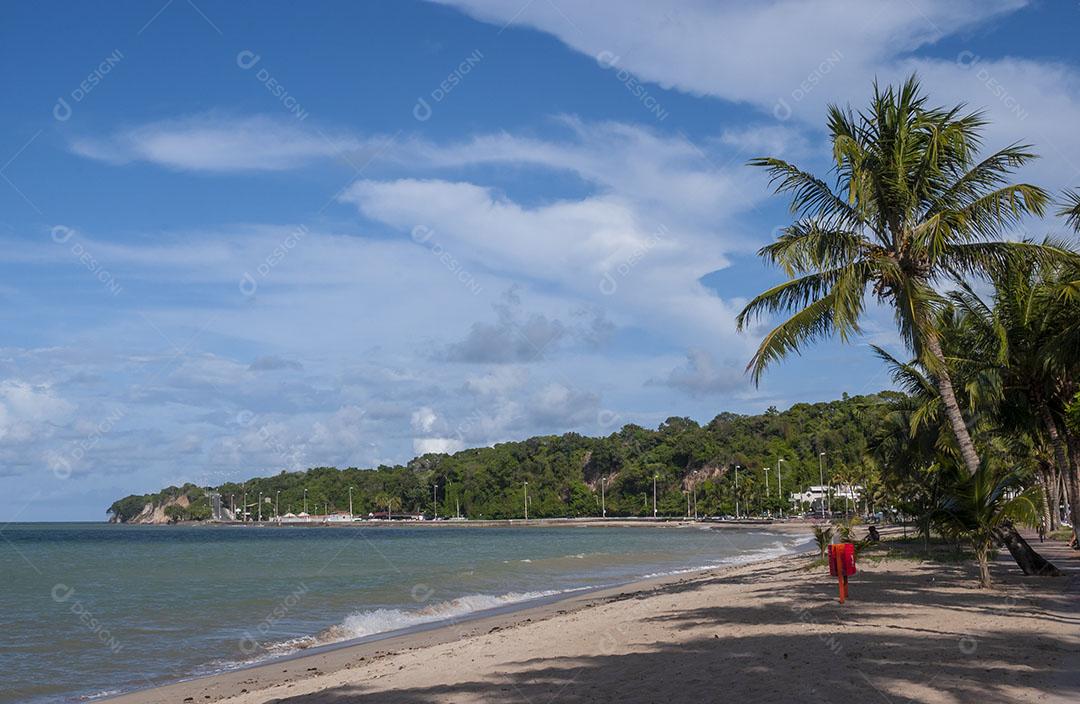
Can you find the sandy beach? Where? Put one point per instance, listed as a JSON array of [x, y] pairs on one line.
[[771, 631]]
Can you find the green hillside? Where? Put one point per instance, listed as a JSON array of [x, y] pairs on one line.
[[564, 471]]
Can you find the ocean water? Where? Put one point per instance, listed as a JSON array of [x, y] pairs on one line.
[[96, 609]]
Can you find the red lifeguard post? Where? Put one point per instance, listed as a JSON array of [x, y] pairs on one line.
[[842, 565]]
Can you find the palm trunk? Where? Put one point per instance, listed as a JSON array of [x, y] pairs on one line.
[[952, 407], [1072, 483], [1025, 556], [982, 551], [1028, 560], [1047, 481], [1066, 461], [1054, 500]]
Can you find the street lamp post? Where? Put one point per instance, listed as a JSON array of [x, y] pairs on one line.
[[654, 495], [780, 485], [526, 501], [821, 478], [737, 491], [603, 497], [260, 507]]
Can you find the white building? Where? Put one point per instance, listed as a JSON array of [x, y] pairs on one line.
[[818, 495]]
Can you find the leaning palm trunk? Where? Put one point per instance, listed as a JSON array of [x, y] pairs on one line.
[[952, 406], [1031, 562], [1025, 556]]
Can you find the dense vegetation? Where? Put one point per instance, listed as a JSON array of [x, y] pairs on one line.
[[916, 217], [565, 472]]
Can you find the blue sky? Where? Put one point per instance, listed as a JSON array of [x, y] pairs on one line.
[[242, 237]]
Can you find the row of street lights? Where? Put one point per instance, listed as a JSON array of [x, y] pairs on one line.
[[603, 494]]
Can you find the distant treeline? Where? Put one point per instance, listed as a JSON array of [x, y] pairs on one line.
[[565, 473]]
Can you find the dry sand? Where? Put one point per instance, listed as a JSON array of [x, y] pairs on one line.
[[767, 632]]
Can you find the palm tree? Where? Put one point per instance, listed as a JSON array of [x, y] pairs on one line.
[[823, 535], [912, 208], [389, 501], [1025, 340], [979, 506]]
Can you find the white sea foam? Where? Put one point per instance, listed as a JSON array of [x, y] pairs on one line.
[[777, 549], [372, 622]]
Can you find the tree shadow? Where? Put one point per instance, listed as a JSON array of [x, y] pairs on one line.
[[797, 643], [759, 668]]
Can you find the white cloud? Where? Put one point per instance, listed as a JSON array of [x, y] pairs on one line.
[[423, 419], [214, 142], [500, 381], [30, 411], [422, 446], [701, 375], [758, 53]]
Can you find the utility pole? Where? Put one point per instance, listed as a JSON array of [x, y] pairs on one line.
[[654, 477], [244, 507], [435, 500], [305, 499], [767, 469], [277, 506], [526, 501], [260, 507]]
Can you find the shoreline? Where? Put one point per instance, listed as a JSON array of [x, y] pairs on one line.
[[767, 630], [329, 658], [619, 522]]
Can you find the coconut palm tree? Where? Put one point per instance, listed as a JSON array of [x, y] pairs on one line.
[[978, 506], [823, 535], [912, 208], [390, 501], [1024, 338]]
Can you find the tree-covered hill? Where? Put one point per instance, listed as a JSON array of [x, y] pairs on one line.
[[564, 473]]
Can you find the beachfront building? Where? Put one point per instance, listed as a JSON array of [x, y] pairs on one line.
[[816, 498]]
